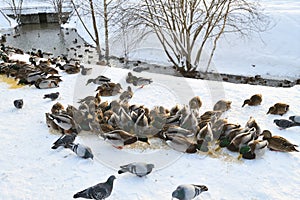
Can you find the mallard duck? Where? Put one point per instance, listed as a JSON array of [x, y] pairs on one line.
[[85, 71], [74, 69], [138, 168], [142, 82], [222, 105], [126, 95], [188, 191], [241, 139], [278, 109], [34, 76], [57, 108], [121, 138], [141, 122], [88, 99], [99, 80], [109, 89], [190, 122], [255, 100], [76, 114], [195, 104], [50, 123], [177, 130], [130, 78], [254, 149], [63, 121], [182, 144], [252, 123], [278, 143], [295, 118], [174, 110], [206, 133], [46, 83]]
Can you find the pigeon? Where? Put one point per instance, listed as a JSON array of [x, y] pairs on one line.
[[81, 150], [52, 96], [99, 191], [65, 140], [188, 191], [18, 103], [284, 123], [295, 118], [138, 168]]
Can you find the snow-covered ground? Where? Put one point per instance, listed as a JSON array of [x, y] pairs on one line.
[[7, 24], [30, 169], [275, 52]]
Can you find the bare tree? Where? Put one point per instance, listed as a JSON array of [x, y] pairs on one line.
[[58, 7], [91, 11], [187, 28], [128, 29], [108, 10], [16, 7]]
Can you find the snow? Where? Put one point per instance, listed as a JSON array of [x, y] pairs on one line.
[[34, 7], [30, 169], [6, 23], [274, 53]]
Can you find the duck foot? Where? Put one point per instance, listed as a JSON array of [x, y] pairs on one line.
[[118, 147]]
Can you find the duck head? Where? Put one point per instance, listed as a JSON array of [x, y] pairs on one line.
[[247, 101]]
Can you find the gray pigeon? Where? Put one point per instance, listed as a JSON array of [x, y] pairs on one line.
[[65, 140], [81, 150], [138, 168], [99, 191], [18, 103], [52, 96], [284, 123], [188, 191], [295, 118]]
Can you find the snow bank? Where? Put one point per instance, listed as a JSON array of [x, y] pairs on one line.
[[6, 23]]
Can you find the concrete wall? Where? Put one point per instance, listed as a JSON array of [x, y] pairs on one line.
[[42, 18]]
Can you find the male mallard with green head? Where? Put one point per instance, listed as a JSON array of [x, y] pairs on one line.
[[121, 138], [254, 149]]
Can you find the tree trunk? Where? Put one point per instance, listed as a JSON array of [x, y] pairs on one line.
[[105, 14], [98, 48]]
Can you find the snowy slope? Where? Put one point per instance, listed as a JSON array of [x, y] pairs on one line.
[[30, 169]]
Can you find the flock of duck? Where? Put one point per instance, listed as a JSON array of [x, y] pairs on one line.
[[120, 123]]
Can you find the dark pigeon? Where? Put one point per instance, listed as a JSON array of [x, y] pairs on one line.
[[18, 103], [284, 123], [52, 96], [98, 192], [65, 140]]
